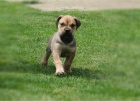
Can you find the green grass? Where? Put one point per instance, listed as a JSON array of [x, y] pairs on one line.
[[106, 66]]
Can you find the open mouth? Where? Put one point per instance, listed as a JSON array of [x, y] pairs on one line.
[[66, 37]]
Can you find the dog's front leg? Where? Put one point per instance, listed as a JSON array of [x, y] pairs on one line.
[[68, 62], [58, 63]]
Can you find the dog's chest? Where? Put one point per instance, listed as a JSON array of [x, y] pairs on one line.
[[66, 51]]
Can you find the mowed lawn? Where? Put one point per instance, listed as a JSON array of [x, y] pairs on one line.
[[106, 66]]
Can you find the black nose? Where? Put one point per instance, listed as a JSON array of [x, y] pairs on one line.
[[67, 30]]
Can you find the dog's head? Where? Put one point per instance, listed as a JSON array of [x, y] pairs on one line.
[[66, 26]]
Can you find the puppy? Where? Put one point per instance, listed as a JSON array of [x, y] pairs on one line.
[[62, 44]]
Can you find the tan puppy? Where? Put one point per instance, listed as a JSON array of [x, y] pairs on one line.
[[62, 44]]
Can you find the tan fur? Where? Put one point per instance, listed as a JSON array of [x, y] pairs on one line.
[[62, 45]]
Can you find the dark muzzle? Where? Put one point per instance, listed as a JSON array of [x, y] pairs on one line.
[[67, 37]]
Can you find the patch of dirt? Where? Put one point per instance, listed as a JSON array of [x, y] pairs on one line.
[[56, 5]]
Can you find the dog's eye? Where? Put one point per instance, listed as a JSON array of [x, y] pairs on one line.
[[62, 24], [72, 26]]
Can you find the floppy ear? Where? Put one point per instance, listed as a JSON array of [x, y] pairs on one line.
[[58, 19], [78, 23]]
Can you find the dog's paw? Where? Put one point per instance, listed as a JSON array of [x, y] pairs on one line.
[[68, 70], [59, 72], [43, 63]]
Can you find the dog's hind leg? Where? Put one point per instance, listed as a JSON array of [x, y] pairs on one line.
[[44, 61]]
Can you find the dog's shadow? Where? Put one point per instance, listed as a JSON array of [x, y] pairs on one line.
[[87, 73], [77, 72]]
